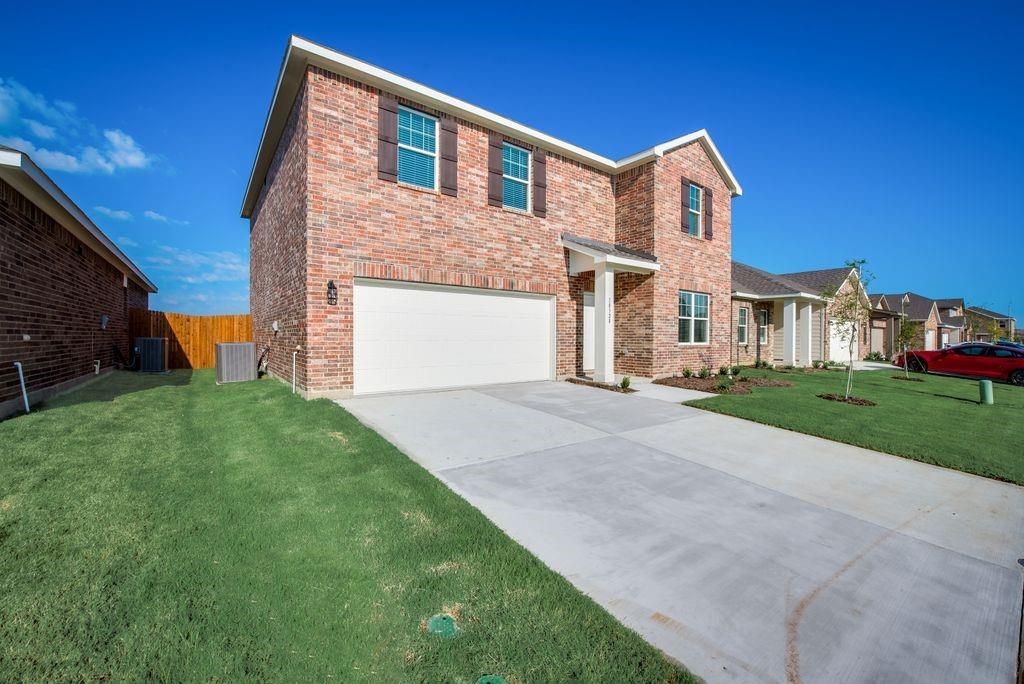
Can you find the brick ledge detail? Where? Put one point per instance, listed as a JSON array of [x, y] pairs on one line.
[[435, 276]]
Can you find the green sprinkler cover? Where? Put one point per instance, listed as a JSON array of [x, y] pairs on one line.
[[491, 679], [442, 625]]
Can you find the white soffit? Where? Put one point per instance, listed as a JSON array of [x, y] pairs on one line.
[[302, 52]]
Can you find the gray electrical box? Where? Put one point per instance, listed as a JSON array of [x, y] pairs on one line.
[[152, 353], [236, 361]]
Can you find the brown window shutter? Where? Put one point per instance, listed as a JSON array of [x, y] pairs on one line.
[[709, 208], [449, 157], [685, 217], [387, 138], [494, 194], [540, 183]]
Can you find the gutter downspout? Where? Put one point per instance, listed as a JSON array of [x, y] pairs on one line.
[[21, 379]]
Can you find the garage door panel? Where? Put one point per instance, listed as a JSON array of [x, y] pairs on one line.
[[418, 337]]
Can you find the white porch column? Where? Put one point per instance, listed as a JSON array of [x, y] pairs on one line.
[[789, 332], [604, 323], [805, 334]]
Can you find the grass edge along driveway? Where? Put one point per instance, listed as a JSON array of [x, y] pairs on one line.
[[938, 421], [169, 528]]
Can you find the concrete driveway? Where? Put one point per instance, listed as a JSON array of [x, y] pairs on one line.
[[746, 552]]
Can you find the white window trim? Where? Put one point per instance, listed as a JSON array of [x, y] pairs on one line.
[[742, 322], [434, 154], [528, 181], [762, 327], [700, 212], [691, 343]]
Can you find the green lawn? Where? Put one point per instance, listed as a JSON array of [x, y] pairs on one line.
[[167, 528], [936, 421]]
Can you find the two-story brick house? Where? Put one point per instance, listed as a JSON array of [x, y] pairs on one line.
[[403, 239]]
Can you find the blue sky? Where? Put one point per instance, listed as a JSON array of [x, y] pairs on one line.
[[886, 132]]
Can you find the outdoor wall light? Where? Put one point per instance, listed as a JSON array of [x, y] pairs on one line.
[[332, 293]]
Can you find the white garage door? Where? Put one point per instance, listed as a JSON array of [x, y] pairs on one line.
[[839, 343], [410, 337]]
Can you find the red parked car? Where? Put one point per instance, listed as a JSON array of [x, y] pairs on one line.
[[971, 359]]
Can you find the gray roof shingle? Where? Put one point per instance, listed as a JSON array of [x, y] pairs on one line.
[[824, 280], [749, 280], [608, 248]]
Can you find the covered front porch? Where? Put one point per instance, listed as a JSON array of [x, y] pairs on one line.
[[605, 260], [781, 330]]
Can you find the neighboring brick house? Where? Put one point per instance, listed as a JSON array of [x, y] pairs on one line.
[[884, 327], [403, 239], [985, 322], [954, 326], [65, 288], [919, 310], [792, 316]]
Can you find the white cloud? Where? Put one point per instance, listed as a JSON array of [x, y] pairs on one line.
[[154, 216], [25, 113], [124, 152], [119, 214], [200, 267], [127, 242], [41, 130]]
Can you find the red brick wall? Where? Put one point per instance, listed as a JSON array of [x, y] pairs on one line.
[[277, 248], [357, 225], [54, 289], [690, 263], [360, 225]]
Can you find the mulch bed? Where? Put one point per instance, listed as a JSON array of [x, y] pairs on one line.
[[856, 401], [601, 385], [740, 385], [903, 377]]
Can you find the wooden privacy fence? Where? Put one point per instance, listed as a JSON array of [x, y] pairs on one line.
[[190, 339]]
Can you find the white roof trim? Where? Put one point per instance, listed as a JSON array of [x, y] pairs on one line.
[[788, 295], [18, 169], [618, 263], [301, 52]]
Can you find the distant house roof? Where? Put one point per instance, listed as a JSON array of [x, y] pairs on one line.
[[747, 280], [301, 53], [823, 280], [950, 303], [18, 169], [988, 313], [916, 308], [952, 321], [878, 301]]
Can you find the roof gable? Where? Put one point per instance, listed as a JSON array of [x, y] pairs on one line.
[[301, 53]]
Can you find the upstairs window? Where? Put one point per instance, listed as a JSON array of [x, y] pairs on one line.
[[741, 326], [696, 210], [515, 177], [417, 149], [693, 318]]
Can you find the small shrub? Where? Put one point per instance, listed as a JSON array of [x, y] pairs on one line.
[[704, 372], [736, 370], [687, 373], [874, 356], [819, 364], [624, 383], [724, 370], [724, 382]]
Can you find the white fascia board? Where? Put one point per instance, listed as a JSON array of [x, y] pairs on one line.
[[301, 52], [619, 263], [22, 165], [788, 295]]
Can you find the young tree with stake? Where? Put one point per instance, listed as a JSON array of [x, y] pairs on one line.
[[848, 309]]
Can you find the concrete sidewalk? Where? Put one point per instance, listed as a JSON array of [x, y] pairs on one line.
[[747, 552]]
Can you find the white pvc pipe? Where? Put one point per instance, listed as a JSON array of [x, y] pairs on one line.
[[96, 363], [21, 379], [294, 353]]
